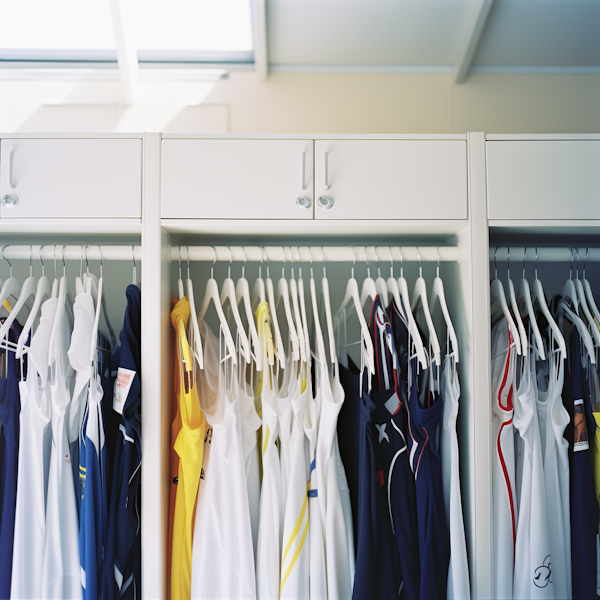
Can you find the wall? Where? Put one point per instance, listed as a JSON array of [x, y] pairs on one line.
[[312, 103]]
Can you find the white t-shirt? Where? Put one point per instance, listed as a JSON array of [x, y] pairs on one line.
[[318, 568], [222, 553], [61, 572], [533, 568], [504, 510], [553, 418], [295, 561], [35, 443], [339, 570], [458, 570]]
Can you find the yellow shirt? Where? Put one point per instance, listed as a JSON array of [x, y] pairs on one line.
[[189, 447]]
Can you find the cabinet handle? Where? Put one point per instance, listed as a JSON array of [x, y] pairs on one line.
[[303, 202], [303, 171], [326, 171], [10, 170], [10, 200], [325, 202]]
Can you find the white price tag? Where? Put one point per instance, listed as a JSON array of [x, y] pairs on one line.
[[122, 386]]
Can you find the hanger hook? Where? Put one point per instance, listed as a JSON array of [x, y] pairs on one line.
[[42, 260], [30, 260], [323, 256], [6, 259], [100, 251], [376, 260], [438, 265], [391, 264], [230, 261], [179, 258], [244, 265], [367, 261], [571, 269], [212, 268], [577, 250], [188, 262], [524, 260], [81, 253], [135, 267], [63, 261], [354, 261], [536, 265], [508, 261], [87, 263], [311, 263], [495, 264], [587, 251], [420, 264], [401, 263], [267, 261], [299, 262], [283, 265]]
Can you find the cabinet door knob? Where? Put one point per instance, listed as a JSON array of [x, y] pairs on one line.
[[10, 200], [325, 202], [303, 202]]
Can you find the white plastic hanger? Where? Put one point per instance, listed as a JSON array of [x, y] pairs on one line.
[[296, 310], [525, 294], [317, 322], [11, 286], [258, 292], [242, 292], [283, 293], [369, 289], [497, 291], [94, 342], [228, 293], [394, 289], [180, 280], [27, 290], [43, 290], [63, 291], [593, 328], [420, 295], [212, 293], [197, 346], [538, 294], [55, 282], [382, 290], [327, 303], [589, 294], [279, 350], [303, 306], [582, 329], [352, 294], [569, 292], [515, 309], [437, 294]]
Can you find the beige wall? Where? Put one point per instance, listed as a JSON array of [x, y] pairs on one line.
[[312, 103]]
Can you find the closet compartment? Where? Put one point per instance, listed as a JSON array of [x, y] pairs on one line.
[[71, 177], [412, 178], [547, 178], [237, 178]]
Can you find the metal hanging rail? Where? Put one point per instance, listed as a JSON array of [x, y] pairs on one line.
[[314, 254], [517, 254], [49, 252]]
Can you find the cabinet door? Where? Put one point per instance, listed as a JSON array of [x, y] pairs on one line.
[[391, 179], [71, 178], [237, 179], [543, 179]]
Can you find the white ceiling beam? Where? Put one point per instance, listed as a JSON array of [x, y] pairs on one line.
[[471, 41], [259, 33], [126, 52]]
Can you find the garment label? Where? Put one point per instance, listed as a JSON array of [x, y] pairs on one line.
[[581, 440], [122, 386]]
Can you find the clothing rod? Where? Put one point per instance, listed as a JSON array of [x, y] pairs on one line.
[[51, 251], [316, 254], [562, 255]]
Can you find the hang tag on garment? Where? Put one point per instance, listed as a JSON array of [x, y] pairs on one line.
[[122, 386]]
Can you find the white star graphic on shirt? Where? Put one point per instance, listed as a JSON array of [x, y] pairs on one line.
[[382, 433]]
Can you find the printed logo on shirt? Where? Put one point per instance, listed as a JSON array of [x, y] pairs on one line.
[[542, 576], [175, 480], [122, 386], [380, 478], [393, 404], [580, 441], [208, 436], [202, 474], [67, 458], [382, 434]]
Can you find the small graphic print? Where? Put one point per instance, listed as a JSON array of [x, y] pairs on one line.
[[542, 576], [581, 440], [202, 474], [175, 480], [208, 436], [382, 434], [380, 478], [67, 458]]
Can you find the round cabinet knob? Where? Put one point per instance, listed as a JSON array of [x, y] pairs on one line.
[[10, 200], [303, 202], [325, 202]]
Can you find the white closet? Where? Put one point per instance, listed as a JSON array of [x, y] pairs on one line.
[[154, 191]]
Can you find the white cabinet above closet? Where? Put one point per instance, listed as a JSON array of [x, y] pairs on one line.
[[77, 178], [391, 179], [237, 179], [543, 179]]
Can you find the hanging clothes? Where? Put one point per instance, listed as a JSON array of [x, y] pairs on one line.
[[223, 557], [35, 447], [11, 373], [121, 568], [189, 446]]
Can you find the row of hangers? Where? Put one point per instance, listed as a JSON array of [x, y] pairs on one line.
[[581, 309], [40, 290], [290, 293]]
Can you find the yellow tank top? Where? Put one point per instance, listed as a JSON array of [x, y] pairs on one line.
[[189, 446]]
